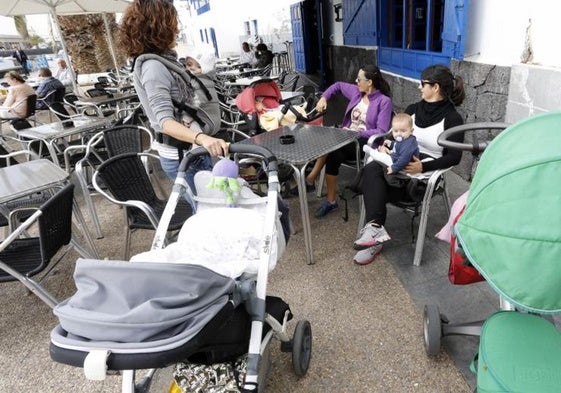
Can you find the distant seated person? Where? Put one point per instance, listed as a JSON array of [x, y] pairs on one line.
[[64, 74], [15, 105], [397, 153], [201, 62], [247, 56], [264, 56], [47, 88]]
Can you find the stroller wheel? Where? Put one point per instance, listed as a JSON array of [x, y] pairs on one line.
[[432, 325], [302, 347]]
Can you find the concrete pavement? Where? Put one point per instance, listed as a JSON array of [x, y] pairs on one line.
[[367, 329]]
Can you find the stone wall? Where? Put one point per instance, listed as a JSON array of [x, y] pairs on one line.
[[343, 62], [486, 88]]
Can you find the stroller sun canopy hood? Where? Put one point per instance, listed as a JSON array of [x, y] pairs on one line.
[[141, 301], [268, 89], [510, 229]]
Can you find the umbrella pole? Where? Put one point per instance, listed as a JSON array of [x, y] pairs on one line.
[[64, 50], [110, 40]]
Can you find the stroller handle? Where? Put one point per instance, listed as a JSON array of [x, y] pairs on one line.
[[269, 158], [476, 147], [310, 116]]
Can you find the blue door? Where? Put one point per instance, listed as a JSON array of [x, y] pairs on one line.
[[359, 22], [298, 37], [213, 39]]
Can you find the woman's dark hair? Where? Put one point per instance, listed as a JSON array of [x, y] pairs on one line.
[[452, 87], [148, 26], [373, 73], [261, 47], [15, 75]]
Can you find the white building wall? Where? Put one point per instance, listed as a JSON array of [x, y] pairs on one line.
[[497, 32], [523, 35], [333, 30], [227, 17]]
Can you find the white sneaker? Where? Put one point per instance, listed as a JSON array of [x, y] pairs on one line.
[[371, 235], [366, 256]]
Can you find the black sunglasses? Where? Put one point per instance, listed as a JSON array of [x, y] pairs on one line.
[[423, 83]]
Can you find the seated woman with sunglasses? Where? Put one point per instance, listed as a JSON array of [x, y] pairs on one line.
[[441, 92], [369, 112]]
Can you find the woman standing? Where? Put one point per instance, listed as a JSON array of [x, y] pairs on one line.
[[151, 27], [15, 104], [441, 92], [369, 112]]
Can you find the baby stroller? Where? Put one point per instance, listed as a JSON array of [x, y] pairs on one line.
[[509, 233], [460, 271], [127, 316], [262, 108]]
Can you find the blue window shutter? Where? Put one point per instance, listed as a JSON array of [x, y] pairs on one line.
[[359, 22], [455, 22]]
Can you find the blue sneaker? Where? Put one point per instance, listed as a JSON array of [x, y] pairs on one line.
[[325, 208]]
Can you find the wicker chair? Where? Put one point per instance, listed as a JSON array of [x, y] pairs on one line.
[[108, 143], [22, 258], [127, 180]]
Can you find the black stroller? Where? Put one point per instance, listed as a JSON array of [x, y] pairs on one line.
[[127, 316]]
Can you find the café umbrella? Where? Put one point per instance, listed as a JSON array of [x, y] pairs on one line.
[[66, 7]]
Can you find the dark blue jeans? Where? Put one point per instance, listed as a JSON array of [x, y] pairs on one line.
[[170, 168]]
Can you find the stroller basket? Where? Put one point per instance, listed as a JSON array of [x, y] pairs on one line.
[[148, 315]]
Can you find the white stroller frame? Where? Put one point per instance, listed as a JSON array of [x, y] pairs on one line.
[[250, 291]]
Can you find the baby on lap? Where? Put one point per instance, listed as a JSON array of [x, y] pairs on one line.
[[397, 153]]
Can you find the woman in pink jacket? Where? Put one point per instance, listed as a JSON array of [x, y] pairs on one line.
[[369, 112]]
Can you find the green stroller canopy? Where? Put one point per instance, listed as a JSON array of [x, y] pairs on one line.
[[511, 227]]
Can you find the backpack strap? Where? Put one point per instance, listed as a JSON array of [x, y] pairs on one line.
[[185, 74], [197, 114]]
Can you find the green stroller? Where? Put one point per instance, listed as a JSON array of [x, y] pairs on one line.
[[511, 233]]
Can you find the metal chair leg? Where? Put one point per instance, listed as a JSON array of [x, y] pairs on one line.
[[425, 207], [321, 181], [80, 174], [361, 215]]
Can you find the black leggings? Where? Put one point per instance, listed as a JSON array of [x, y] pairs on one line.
[[377, 193], [345, 153]]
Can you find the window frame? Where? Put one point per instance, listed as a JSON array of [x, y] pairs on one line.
[[364, 23]]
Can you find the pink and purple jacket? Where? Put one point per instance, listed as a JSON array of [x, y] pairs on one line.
[[378, 115]]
